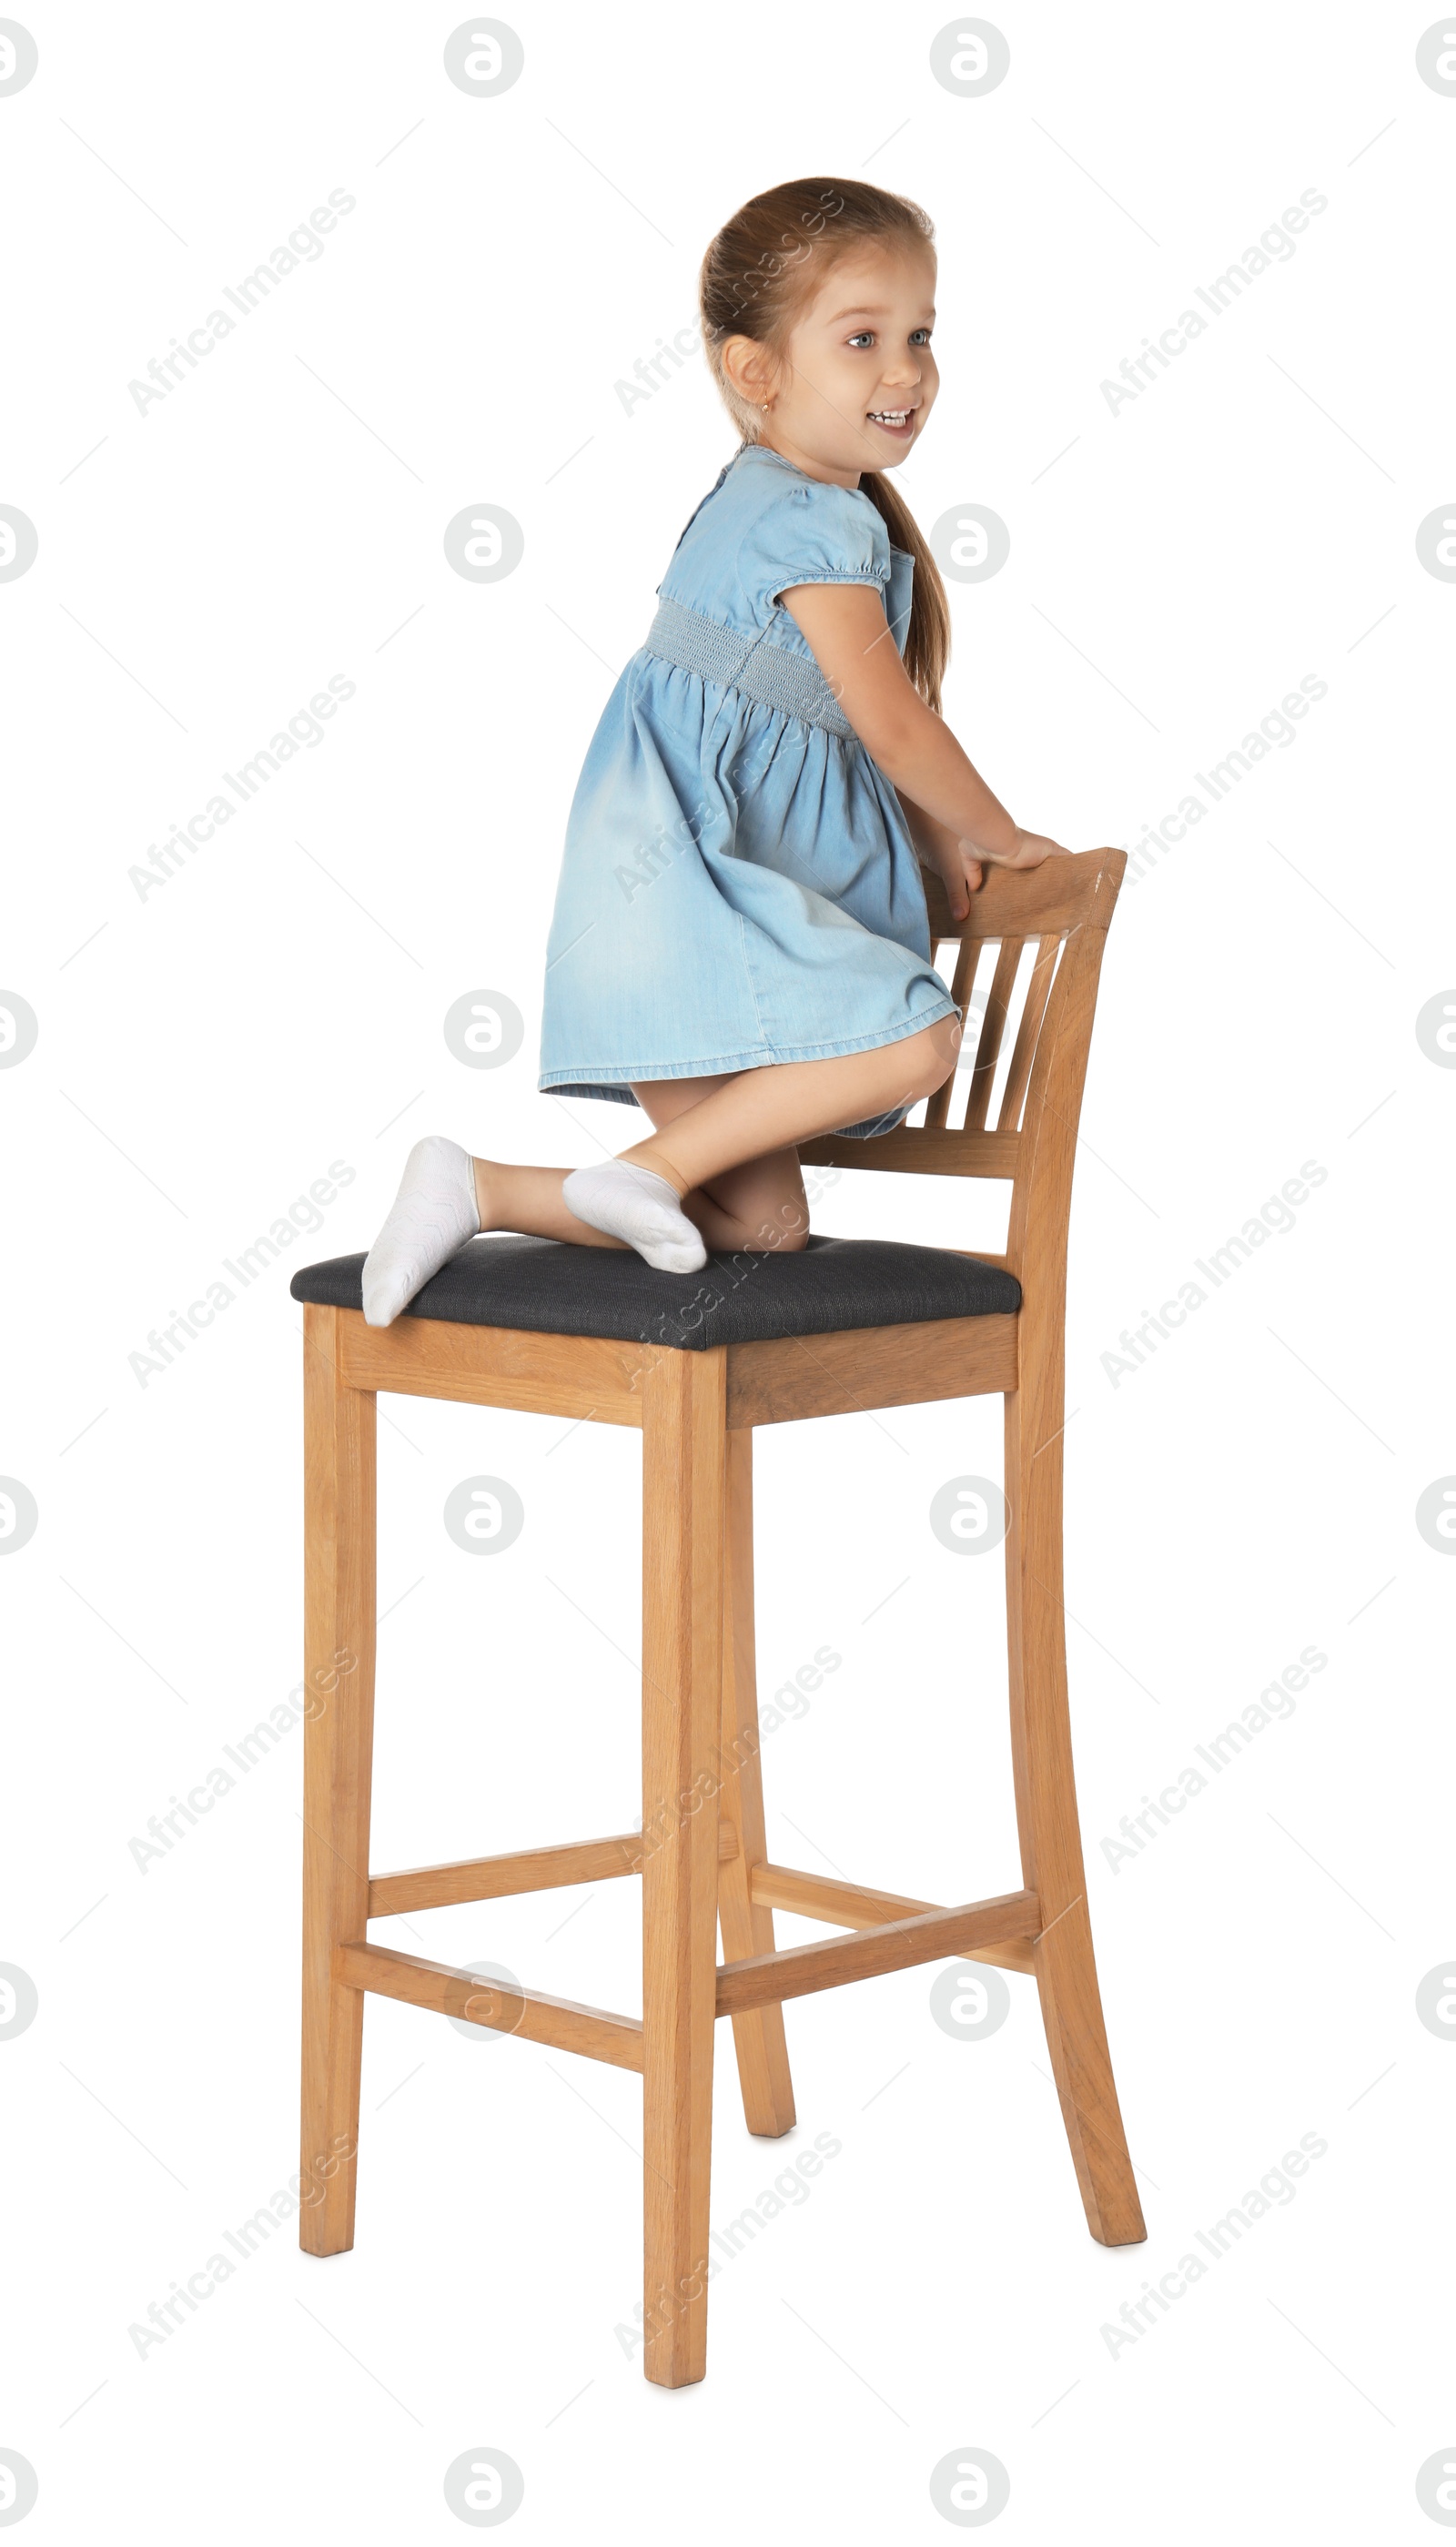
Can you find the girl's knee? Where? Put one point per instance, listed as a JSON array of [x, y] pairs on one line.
[[931, 1057], [784, 1232]]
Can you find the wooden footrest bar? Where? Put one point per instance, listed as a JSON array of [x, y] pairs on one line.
[[762, 1980], [529, 2013], [1005, 1924], [527, 1869], [488, 1878], [856, 1905]]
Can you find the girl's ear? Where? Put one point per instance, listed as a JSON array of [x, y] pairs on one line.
[[749, 368]]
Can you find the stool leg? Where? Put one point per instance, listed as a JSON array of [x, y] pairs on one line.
[[747, 1927], [684, 1437], [338, 1740], [1045, 1808]]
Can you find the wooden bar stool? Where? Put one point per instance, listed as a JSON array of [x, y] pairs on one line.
[[695, 1363]]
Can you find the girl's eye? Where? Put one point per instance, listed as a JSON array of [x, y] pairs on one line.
[[866, 336], [919, 336]]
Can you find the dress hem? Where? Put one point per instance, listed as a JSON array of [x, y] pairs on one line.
[[586, 1081]]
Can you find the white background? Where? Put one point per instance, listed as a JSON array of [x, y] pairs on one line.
[[205, 1053]]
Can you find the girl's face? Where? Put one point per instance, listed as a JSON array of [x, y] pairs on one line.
[[857, 379]]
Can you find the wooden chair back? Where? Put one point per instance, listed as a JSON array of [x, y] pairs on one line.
[[1057, 916]]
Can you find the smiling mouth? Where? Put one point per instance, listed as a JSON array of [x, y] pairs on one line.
[[893, 419]]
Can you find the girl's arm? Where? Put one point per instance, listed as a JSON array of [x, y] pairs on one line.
[[954, 818]]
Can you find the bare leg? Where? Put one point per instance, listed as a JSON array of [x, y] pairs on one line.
[[529, 1199], [760, 1204], [746, 1122], [758, 1111]]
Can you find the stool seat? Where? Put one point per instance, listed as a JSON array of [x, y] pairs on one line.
[[547, 1287]]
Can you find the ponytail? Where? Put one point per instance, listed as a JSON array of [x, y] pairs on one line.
[[927, 642]]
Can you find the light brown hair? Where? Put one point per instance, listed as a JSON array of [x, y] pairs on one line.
[[758, 275]]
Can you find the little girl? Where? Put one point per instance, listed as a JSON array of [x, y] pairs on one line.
[[741, 943]]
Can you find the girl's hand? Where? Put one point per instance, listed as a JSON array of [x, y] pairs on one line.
[[961, 871], [1031, 849], [962, 863], [952, 813]]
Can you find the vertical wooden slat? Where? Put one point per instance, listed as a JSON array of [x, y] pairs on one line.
[[992, 1027], [338, 1738], [684, 1457], [968, 956], [1023, 1051], [748, 1926]]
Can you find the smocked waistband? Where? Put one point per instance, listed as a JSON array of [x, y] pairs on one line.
[[768, 673]]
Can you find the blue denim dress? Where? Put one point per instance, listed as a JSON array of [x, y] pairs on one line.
[[738, 886]]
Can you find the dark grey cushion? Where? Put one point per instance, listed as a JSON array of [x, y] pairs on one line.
[[553, 1290]]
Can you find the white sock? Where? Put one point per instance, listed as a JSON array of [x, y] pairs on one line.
[[433, 1215], [631, 1203]]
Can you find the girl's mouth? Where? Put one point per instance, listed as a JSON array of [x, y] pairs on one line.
[[897, 422]]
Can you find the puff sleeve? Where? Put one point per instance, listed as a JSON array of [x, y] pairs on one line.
[[813, 533]]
